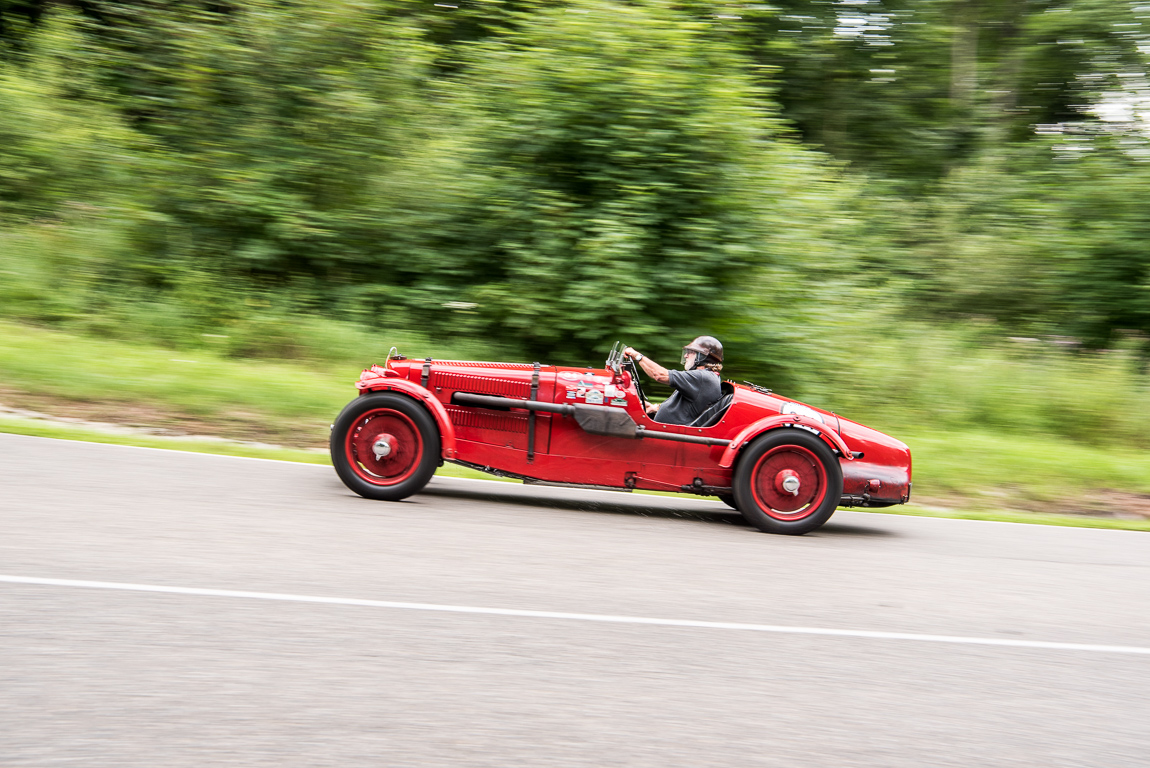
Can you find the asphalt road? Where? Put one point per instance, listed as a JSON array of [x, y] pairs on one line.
[[106, 675]]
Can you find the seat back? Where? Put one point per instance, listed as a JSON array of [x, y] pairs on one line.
[[714, 414]]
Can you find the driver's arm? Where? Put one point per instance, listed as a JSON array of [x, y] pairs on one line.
[[652, 369]]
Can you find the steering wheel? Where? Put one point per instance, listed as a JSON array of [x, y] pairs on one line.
[[615, 358], [617, 361]]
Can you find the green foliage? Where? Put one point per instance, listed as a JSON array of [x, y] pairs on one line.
[[58, 152], [1042, 246], [622, 179], [909, 89], [275, 128], [18, 20]]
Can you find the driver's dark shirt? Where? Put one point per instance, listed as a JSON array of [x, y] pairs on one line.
[[695, 392]]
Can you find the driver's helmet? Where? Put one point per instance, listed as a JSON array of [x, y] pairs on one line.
[[706, 349]]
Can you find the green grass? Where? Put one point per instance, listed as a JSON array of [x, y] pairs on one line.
[[999, 474], [194, 383], [37, 428], [1004, 464], [1029, 518]]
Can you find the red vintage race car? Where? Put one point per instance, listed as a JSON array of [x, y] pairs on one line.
[[784, 465]]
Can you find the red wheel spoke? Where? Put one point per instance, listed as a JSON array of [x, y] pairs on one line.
[[789, 482], [384, 447]]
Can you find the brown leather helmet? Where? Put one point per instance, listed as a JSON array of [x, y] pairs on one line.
[[707, 349]]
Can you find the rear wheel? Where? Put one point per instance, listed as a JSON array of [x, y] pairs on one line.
[[385, 446], [729, 500], [788, 481]]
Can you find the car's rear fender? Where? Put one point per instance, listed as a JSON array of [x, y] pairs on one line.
[[376, 379], [783, 421]]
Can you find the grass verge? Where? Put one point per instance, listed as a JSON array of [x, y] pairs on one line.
[[1030, 518], [1026, 472]]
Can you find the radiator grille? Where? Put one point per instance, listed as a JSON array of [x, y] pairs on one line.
[[504, 422]]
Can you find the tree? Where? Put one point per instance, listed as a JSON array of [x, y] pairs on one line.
[[625, 179], [273, 128], [909, 89], [57, 149], [17, 20]]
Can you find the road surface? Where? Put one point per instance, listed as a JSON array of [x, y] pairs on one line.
[[485, 624]]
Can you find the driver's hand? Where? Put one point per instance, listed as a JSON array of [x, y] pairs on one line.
[[651, 409], [629, 352]]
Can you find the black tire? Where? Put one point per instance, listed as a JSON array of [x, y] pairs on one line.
[[729, 500], [403, 428], [763, 467]]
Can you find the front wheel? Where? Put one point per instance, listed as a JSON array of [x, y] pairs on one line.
[[788, 481], [385, 446]]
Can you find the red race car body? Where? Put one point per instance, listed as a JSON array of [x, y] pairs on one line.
[[784, 465]]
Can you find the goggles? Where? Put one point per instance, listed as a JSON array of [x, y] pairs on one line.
[[689, 351]]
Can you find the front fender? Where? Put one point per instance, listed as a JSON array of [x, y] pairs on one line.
[[376, 380], [783, 421]]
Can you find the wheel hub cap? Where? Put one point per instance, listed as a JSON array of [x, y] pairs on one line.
[[383, 446], [787, 481]]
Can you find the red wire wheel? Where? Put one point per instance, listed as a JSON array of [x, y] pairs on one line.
[[385, 446], [788, 481]]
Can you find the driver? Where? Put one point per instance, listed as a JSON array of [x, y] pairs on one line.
[[697, 387]]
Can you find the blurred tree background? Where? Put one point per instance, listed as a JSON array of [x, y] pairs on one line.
[[864, 198]]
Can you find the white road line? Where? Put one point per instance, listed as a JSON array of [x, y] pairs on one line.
[[596, 617]]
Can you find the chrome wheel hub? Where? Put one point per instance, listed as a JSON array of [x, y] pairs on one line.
[[383, 446], [787, 481]]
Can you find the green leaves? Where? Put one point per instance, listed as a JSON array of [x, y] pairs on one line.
[[623, 172]]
